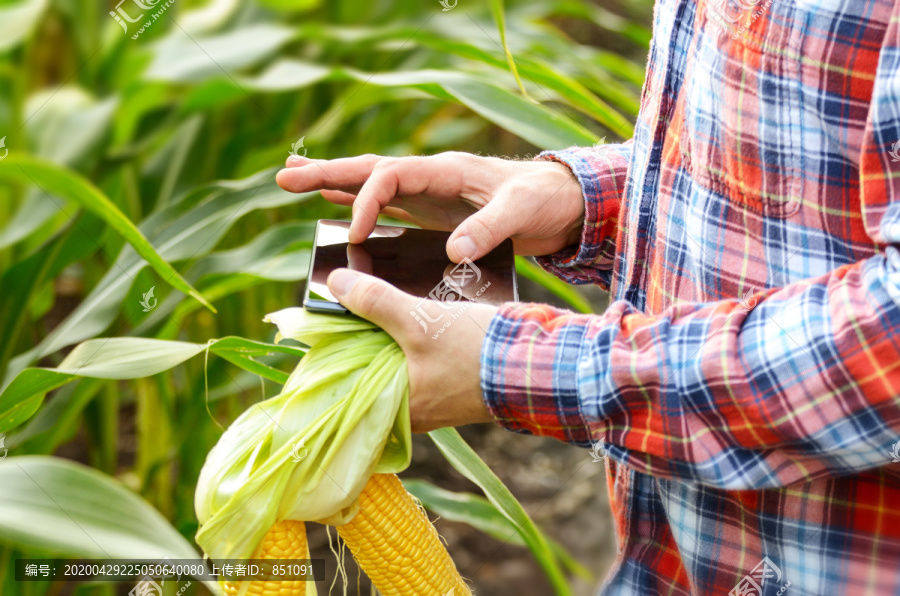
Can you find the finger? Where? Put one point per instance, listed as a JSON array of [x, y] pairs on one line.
[[374, 300], [295, 161], [376, 193], [484, 230], [397, 213], [359, 259], [338, 197], [438, 176], [340, 174]]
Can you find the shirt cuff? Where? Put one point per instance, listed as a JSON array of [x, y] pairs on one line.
[[529, 372], [601, 172]]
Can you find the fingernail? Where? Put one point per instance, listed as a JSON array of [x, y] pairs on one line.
[[295, 158], [465, 246], [342, 281]]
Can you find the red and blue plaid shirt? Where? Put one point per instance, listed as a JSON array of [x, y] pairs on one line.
[[745, 382]]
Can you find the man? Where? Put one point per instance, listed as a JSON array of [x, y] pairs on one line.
[[745, 382]]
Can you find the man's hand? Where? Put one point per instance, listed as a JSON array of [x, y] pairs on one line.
[[444, 373], [484, 199]]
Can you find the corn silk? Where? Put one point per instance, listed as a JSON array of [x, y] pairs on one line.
[[343, 413]]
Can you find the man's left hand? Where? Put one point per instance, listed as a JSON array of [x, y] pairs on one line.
[[444, 372]]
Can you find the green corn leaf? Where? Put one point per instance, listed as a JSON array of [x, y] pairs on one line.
[[120, 358], [481, 514], [466, 461], [185, 59], [280, 253], [500, 18], [549, 79], [58, 181], [18, 20], [466, 508], [258, 368], [209, 16], [22, 282], [529, 120], [67, 128], [58, 420], [71, 510], [527, 269], [523, 117], [189, 228]]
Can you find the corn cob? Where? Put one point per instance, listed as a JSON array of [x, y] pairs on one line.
[[393, 541], [284, 540]]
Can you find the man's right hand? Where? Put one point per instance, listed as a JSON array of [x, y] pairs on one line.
[[483, 200]]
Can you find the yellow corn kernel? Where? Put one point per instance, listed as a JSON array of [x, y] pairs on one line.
[[394, 542], [284, 540]]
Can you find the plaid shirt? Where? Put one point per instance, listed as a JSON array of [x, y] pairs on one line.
[[745, 382]]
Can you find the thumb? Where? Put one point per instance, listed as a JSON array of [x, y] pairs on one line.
[[484, 230], [374, 300]]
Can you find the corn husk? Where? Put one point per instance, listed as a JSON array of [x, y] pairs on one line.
[[343, 412]]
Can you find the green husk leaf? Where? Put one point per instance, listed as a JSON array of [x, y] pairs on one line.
[[307, 453]]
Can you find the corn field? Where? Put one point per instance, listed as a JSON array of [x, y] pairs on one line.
[[143, 240]]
